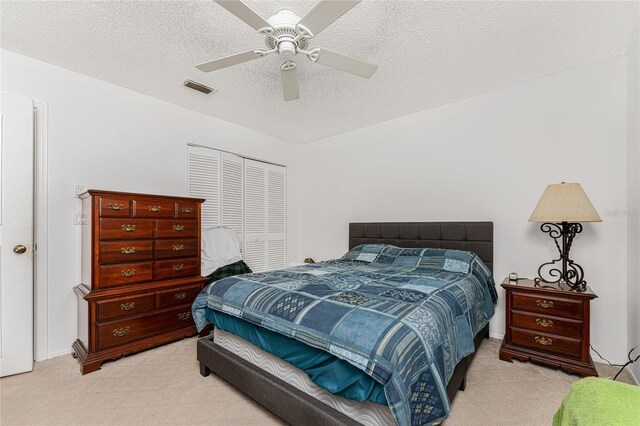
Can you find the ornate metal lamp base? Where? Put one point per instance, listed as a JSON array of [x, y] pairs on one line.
[[562, 270]]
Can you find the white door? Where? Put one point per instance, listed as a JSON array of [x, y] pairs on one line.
[[16, 234], [265, 216]]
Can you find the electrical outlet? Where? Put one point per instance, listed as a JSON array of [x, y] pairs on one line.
[[78, 189], [79, 218]]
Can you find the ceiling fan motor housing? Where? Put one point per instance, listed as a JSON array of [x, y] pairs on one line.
[[285, 37]]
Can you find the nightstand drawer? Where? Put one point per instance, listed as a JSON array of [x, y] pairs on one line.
[[547, 324], [547, 343], [547, 305]]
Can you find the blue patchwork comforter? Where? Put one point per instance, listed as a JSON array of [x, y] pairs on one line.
[[405, 317]]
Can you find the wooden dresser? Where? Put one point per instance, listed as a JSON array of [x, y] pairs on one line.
[[549, 325], [140, 273]]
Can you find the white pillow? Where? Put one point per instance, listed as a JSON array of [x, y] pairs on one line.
[[220, 247]]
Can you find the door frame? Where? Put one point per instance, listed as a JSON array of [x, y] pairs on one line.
[[40, 237]]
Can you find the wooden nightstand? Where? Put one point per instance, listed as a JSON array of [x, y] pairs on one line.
[[548, 325]]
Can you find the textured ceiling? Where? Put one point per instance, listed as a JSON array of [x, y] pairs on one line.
[[430, 53]]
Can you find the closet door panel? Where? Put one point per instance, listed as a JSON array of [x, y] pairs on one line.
[[232, 193], [204, 182]]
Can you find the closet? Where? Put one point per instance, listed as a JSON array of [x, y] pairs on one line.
[[247, 196]]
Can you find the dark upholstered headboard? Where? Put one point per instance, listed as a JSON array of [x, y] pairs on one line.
[[472, 236]]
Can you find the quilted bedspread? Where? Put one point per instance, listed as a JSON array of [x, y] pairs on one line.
[[405, 317]]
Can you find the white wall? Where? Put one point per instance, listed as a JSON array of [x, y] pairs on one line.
[[633, 193], [490, 158], [107, 137]]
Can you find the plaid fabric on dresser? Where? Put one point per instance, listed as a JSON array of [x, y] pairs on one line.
[[405, 317]]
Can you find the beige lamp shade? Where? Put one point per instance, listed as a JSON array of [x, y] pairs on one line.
[[564, 202]]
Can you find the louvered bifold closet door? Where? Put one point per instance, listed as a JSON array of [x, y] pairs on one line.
[[204, 182], [232, 194], [265, 216], [276, 217], [255, 215]]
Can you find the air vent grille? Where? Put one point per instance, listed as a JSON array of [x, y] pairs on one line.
[[198, 86]]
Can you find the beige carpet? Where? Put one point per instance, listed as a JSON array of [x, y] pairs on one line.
[[164, 386]]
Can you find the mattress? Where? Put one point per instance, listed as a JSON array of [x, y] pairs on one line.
[[367, 413]]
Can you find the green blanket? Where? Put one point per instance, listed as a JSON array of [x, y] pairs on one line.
[[599, 402]]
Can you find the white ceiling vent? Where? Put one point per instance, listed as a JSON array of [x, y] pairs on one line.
[[198, 86]]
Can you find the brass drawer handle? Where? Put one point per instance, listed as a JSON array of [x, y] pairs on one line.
[[180, 296], [547, 323], [116, 206], [546, 304], [178, 228], [128, 272], [154, 209], [187, 210], [122, 331], [178, 267], [127, 306], [128, 228], [177, 247], [544, 341], [184, 316], [128, 250]]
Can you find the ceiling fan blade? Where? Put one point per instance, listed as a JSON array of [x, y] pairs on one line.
[[245, 13], [228, 61], [290, 84], [343, 62], [324, 14]]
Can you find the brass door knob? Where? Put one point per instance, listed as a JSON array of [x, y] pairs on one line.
[[19, 249]]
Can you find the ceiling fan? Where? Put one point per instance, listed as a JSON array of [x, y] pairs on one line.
[[288, 35]]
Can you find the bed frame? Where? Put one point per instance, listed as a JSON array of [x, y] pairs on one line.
[[296, 407]]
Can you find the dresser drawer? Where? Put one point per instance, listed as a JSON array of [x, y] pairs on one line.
[[177, 296], [545, 304], [177, 229], [176, 248], [126, 251], [546, 324], [116, 333], [114, 207], [124, 306], [186, 210], [157, 209], [176, 268], [547, 343], [125, 273], [129, 229]]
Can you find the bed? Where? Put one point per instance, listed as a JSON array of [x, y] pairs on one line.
[[371, 288]]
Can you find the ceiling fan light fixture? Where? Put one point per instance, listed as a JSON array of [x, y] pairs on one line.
[[288, 34]]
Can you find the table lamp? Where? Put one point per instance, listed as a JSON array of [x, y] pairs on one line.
[[561, 209]]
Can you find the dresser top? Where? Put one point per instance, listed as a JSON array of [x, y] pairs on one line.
[[560, 290], [99, 192]]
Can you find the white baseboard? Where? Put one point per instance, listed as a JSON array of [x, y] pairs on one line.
[[496, 335], [61, 352]]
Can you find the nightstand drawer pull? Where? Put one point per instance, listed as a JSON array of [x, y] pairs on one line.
[[180, 296], [121, 332], [154, 208], [128, 228], [128, 272], [116, 206], [544, 341], [178, 267], [547, 323], [178, 228], [128, 250], [127, 306], [544, 303], [184, 316]]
